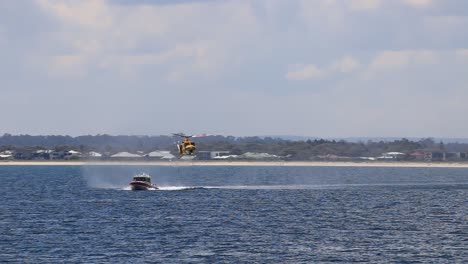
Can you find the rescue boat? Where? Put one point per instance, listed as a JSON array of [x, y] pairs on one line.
[[142, 182]]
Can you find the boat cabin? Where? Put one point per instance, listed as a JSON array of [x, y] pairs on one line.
[[142, 178]]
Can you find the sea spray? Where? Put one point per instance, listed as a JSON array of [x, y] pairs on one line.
[[118, 177], [109, 177]]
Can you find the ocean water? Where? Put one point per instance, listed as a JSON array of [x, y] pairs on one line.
[[86, 214]]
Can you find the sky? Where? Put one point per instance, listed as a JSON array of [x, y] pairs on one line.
[[321, 68]]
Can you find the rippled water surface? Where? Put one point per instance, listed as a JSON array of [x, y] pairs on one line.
[[234, 214]]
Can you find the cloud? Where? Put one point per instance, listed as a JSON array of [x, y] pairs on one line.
[[147, 55], [129, 37], [305, 72], [301, 72], [346, 65], [365, 4], [462, 55], [390, 60], [179, 60], [67, 65], [384, 61], [418, 3], [89, 14], [425, 57]]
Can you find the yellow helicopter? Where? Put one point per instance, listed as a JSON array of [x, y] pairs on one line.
[[187, 146]]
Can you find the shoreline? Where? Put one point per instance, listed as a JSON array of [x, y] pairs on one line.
[[241, 163]]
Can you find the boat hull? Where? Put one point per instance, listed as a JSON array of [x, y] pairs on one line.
[[142, 186]]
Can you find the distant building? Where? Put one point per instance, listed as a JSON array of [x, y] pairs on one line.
[[7, 152], [72, 154], [417, 155], [24, 154], [125, 155], [434, 156], [333, 157], [6, 157], [392, 156], [258, 156], [42, 154], [160, 155], [57, 155], [92, 155], [209, 155], [455, 156]]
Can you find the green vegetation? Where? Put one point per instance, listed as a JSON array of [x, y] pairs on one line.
[[292, 150]]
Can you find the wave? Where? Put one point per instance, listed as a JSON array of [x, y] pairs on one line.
[[167, 188]]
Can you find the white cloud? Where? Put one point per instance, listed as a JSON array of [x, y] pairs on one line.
[[322, 15], [109, 36], [425, 57], [346, 65], [300, 72], [442, 23], [395, 61], [143, 53], [349, 5], [401, 59], [67, 66], [462, 55], [305, 72], [364, 4], [418, 3], [390, 60], [90, 14]]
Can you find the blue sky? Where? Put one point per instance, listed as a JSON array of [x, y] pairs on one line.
[[325, 68]]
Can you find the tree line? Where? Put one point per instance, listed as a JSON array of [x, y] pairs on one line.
[[295, 150]]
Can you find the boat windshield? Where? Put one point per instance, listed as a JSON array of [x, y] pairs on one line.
[[143, 179]]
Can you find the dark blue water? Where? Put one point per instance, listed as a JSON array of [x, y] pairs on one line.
[[236, 215]]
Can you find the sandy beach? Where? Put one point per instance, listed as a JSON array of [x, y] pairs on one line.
[[237, 163]]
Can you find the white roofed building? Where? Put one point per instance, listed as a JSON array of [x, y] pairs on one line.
[[72, 154], [258, 156], [125, 155], [392, 156], [160, 154], [94, 154], [6, 157]]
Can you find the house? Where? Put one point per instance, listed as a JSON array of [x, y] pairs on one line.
[[23, 154], [208, 155], [434, 156], [42, 154], [57, 155], [333, 157], [258, 156], [159, 155], [6, 157], [417, 155], [392, 156], [227, 157], [72, 154], [455, 155], [443, 156], [93, 155], [125, 155], [7, 152], [368, 158]]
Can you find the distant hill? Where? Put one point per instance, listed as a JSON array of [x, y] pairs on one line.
[[365, 139]]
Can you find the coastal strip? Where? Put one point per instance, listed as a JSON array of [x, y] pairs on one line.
[[240, 163]]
